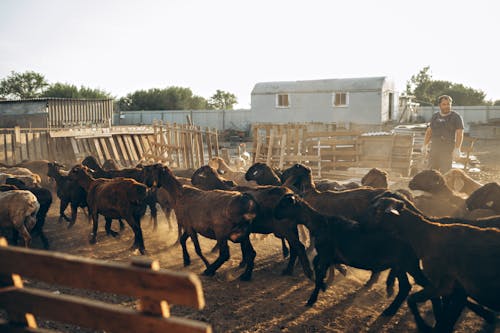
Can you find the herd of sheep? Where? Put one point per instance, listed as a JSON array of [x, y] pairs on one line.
[[442, 230]]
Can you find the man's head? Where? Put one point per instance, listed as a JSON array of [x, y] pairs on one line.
[[444, 102]]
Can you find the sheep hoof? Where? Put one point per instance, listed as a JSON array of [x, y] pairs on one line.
[[92, 239], [245, 277], [208, 272], [71, 224], [113, 233]]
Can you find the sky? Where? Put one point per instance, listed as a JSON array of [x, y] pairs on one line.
[[122, 46]]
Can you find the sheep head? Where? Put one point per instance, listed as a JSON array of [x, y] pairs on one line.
[[299, 177], [262, 174], [431, 181], [485, 197], [287, 207], [375, 178]]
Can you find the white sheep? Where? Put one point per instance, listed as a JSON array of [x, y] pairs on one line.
[[18, 211]]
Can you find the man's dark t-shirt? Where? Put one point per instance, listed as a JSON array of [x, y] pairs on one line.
[[444, 128]]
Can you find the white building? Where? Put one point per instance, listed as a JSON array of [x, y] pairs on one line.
[[370, 101]]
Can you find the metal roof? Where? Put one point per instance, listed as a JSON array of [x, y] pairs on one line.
[[46, 99], [327, 85]]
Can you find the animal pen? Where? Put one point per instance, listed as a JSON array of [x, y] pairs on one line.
[[331, 151], [177, 145]]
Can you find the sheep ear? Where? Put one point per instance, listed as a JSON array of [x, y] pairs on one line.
[[392, 210], [489, 204]]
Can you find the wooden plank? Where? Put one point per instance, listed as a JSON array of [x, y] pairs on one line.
[[104, 148], [36, 147], [93, 314], [95, 143], [3, 153], [130, 149], [201, 153], [44, 146], [114, 151], [208, 138], [175, 287], [124, 156], [270, 149], [30, 148], [5, 327], [138, 145]]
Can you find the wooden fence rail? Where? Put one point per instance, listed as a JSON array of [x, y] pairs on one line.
[[180, 146], [329, 150], [153, 288]]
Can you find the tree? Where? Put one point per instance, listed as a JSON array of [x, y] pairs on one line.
[[427, 90], [497, 102], [65, 90], [222, 100], [172, 98], [22, 85]]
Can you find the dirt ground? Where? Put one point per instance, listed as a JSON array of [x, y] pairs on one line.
[[270, 302]]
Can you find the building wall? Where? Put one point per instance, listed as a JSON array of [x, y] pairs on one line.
[[470, 114], [218, 119]]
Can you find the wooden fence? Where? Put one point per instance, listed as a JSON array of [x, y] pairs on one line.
[[154, 290], [328, 151], [180, 146]]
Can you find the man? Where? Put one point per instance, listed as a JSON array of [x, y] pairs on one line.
[[445, 132]]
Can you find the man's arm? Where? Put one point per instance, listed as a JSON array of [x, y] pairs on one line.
[[427, 137], [459, 137]]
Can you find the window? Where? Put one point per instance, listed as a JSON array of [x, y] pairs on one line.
[[340, 99], [282, 100]]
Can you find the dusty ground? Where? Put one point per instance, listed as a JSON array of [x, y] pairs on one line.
[[270, 302]]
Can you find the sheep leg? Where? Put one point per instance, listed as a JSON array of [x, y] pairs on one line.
[[223, 257], [185, 253], [453, 306], [74, 209], [25, 234], [320, 268], [93, 234], [107, 226], [373, 279], [420, 297], [482, 312], [248, 254], [404, 290], [215, 248], [62, 207], [197, 248], [135, 224], [122, 225], [389, 283], [297, 249], [284, 248], [154, 215], [38, 230]]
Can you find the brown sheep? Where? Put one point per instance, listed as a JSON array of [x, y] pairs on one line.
[[353, 203], [117, 198], [238, 177], [376, 178], [219, 215], [441, 200], [485, 197], [453, 256], [18, 211], [39, 167], [343, 241], [266, 196]]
